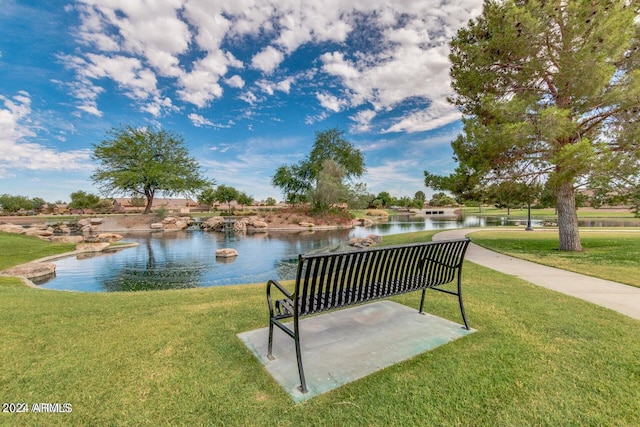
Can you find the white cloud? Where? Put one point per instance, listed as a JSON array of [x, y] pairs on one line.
[[398, 177], [199, 121], [331, 102], [82, 89], [412, 63], [381, 53], [249, 97], [267, 60], [438, 114], [285, 85], [362, 120], [150, 29], [16, 129], [412, 72], [235, 81], [335, 64], [137, 81], [311, 119], [199, 88], [270, 88]]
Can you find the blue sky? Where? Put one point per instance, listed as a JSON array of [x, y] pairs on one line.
[[247, 83]]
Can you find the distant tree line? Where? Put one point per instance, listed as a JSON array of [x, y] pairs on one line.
[[11, 204]]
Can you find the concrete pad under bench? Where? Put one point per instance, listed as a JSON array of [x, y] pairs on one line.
[[342, 346]]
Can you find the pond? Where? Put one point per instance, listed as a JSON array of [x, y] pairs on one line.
[[186, 259]]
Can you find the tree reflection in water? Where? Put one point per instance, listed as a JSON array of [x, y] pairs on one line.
[[161, 274]]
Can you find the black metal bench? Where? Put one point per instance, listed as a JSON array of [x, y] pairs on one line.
[[330, 281]]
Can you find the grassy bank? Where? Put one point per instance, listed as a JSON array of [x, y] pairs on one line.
[[17, 249], [173, 358], [583, 213], [611, 255]]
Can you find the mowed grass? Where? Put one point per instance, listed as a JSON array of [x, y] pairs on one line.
[[166, 358], [17, 249], [583, 213], [611, 255]]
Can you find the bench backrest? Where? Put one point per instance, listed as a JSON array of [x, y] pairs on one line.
[[328, 281]]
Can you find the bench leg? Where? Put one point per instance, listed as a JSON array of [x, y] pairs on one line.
[[270, 346], [303, 382], [296, 338], [424, 291], [464, 316]]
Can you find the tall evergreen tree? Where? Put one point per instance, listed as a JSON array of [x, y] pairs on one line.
[[546, 88]]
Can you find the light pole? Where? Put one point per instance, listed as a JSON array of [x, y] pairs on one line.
[[528, 228]]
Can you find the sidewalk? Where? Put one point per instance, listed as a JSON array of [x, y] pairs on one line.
[[615, 296]]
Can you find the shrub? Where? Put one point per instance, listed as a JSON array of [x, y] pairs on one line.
[[160, 213], [377, 212]]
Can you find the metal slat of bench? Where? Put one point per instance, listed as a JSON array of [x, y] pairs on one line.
[[330, 281]]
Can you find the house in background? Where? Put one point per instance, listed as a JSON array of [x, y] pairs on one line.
[[60, 209], [177, 206]]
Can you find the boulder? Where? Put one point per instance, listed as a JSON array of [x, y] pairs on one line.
[[92, 247], [67, 239], [33, 270], [108, 237], [362, 222], [181, 225], [12, 228], [239, 227], [169, 220], [96, 221], [365, 242], [83, 222], [375, 238], [39, 232], [306, 224], [226, 253], [156, 226], [356, 241], [64, 229], [258, 224], [174, 225], [215, 223]]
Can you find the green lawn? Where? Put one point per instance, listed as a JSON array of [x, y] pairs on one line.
[[612, 255], [583, 213], [160, 358], [17, 249]]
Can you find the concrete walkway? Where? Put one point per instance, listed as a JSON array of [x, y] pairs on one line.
[[615, 296]]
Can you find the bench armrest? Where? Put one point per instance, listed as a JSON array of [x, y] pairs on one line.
[[282, 289]]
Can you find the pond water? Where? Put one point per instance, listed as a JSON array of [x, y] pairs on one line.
[[186, 259]]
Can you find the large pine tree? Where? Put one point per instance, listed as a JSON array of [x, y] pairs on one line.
[[546, 88]]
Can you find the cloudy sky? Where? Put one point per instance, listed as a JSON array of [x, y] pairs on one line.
[[247, 83]]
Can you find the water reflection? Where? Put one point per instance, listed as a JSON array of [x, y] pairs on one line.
[[186, 259]]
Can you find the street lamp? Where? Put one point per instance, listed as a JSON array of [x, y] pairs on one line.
[[528, 228]]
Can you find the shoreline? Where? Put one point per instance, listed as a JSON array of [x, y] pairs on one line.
[[27, 281]]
